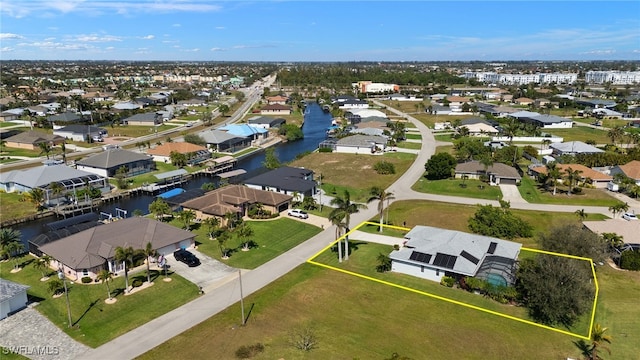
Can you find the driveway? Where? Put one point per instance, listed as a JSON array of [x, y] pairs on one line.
[[209, 273], [510, 193]]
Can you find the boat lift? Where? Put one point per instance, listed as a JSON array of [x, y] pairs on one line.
[[108, 217]]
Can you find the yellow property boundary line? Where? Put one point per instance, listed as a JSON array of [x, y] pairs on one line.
[[593, 271]]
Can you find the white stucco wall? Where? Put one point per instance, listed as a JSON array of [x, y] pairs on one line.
[[101, 172], [15, 303], [423, 272]]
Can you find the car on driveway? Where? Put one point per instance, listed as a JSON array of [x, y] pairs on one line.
[[186, 257], [298, 213], [629, 216]]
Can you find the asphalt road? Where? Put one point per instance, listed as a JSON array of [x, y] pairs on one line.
[[159, 330]]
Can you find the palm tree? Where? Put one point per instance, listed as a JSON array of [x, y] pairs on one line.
[[212, 224], [159, 208], [222, 241], [14, 250], [125, 255], [105, 276], [346, 207], [615, 133], [45, 148], [337, 219], [511, 129], [63, 149], [581, 214], [148, 252], [618, 208], [36, 196], [553, 174], [186, 216], [377, 193], [598, 338], [244, 231], [7, 237], [486, 161], [573, 176], [230, 219], [42, 263], [634, 190], [56, 189]]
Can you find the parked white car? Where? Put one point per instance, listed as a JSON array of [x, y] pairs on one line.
[[298, 213], [629, 216]]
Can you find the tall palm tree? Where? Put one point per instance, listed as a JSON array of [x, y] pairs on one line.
[[14, 250], [36, 196], [598, 338], [7, 237], [618, 208], [553, 174], [615, 133], [45, 148], [42, 263], [347, 208], [55, 189], [377, 193], [125, 255], [105, 276], [581, 214], [222, 242], [572, 176], [212, 223], [186, 216], [244, 232], [148, 252], [337, 219], [63, 149]]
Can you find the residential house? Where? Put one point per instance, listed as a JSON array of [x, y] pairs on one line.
[[64, 119], [80, 132], [43, 176], [255, 133], [478, 127], [266, 122], [107, 163], [144, 119], [630, 170], [356, 116], [523, 101], [498, 173], [573, 148], [32, 139], [126, 105], [195, 153], [192, 102], [361, 144], [222, 141], [542, 121], [287, 180], [13, 297], [9, 116], [431, 253], [278, 99], [607, 113], [629, 230], [597, 179], [236, 199], [85, 253], [354, 104], [275, 109]]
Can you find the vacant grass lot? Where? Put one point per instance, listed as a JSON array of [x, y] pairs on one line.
[[136, 130], [607, 123], [353, 318], [456, 187], [13, 207], [273, 238], [96, 322], [353, 172], [581, 133], [531, 192]]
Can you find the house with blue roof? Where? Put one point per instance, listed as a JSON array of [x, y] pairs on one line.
[[255, 133]]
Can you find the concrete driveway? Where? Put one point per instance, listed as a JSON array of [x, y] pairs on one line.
[[510, 193], [209, 273]]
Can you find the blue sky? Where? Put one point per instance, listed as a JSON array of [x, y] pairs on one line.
[[202, 30]]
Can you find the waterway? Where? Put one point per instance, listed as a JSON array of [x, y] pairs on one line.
[[314, 129]]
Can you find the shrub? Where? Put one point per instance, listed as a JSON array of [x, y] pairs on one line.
[[325, 150], [86, 280], [447, 281], [384, 168], [246, 352], [136, 283], [576, 190], [630, 260], [475, 283]]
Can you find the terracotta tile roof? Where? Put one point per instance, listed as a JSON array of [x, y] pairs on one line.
[[180, 147], [585, 171], [631, 169]]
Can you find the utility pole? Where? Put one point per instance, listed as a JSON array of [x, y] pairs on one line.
[[241, 297], [66, 292]]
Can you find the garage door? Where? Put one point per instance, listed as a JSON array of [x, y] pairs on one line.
[[508, 181]]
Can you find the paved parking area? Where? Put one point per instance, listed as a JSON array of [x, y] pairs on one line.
[[209, 272]]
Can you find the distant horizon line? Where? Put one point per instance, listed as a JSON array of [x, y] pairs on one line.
[[321, 61]]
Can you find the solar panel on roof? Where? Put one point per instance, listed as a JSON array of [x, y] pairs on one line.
[[470, 257], [445, 261], [420, 257], [492, 247]]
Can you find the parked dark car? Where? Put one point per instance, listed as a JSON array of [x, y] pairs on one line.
[[186, 257]]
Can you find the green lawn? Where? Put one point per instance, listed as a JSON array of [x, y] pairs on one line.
[[5, 160], [136, 130], [409, 145], [96, 322], [581, 133], [456, 187], [444, 137], [13, 207], [5, 124], [7, 151], [150, 177], [413, 136], [272, 237], [531, 192]]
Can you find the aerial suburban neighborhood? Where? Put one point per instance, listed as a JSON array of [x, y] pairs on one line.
[[432, 209]]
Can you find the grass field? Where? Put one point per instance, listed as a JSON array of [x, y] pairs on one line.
[[472, 188], [150, 178], [581, 133], [531, 192], [409, 145], [414, 136], [607, 123], [273, 238], [136, 130], [353, 172], [13, 207], [96, 322]]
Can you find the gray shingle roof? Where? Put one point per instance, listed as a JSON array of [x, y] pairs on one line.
[[112, 158], [217, 136], [361, 140], [430, 240], [575, 147], [9, 289], [34, 137], [499, 169], [286, 178], [42, 176]]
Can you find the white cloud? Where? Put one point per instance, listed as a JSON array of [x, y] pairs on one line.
[[7, 36], [100, 7], [6, 49], [217, 49], [97, 38], [148, 37], [220, 28], [176, 25], [191, 50]]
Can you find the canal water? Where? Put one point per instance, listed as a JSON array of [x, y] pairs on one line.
[[315, 125]]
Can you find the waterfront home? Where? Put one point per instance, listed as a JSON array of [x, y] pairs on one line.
[[80, 133], [85, 253], [108, 162], [254, 133], [222, 141], [278, 99], [286, 180], [361, 144], [42, 177], [195, 153], [431, 253], [236, 199], [266, 122], [275, 109], [32, 139]]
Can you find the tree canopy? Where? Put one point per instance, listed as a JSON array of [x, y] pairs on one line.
[[500, 223], [440, 166], [573, 239]]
